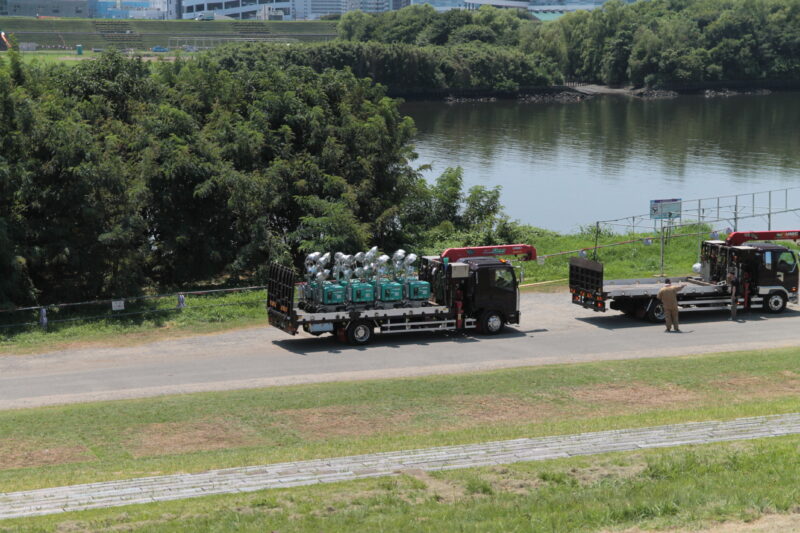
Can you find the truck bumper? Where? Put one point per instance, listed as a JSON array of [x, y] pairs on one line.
[[281, 321], [588, 300]]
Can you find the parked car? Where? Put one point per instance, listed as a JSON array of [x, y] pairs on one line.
[[159, 49]]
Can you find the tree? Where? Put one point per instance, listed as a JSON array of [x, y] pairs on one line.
[[473, 32], [482, 206]]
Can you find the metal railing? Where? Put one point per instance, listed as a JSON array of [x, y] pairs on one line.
[[730, 209], [727, 210]]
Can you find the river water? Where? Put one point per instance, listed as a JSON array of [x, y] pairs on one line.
[[562, 166]]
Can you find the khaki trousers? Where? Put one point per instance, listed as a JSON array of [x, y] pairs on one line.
[[671, 315]]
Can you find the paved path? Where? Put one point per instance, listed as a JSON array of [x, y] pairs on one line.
[[253, 478], [552, 331]]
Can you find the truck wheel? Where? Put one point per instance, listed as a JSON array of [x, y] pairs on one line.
[[775, 302], [656, 312], [491, 323], [359, 333]]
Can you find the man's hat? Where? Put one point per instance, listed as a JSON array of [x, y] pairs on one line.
[[667, 281]]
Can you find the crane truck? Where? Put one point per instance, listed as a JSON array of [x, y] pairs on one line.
[[471, 288], [767, 273]]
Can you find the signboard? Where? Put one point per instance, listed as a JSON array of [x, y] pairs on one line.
[[665, 209], [118, 305]]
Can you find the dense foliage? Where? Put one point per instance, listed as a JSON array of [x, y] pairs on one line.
[[422, 25], [407, 68], [115, 177], [658, 42]]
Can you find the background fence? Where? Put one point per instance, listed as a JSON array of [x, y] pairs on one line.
[[136, 308]]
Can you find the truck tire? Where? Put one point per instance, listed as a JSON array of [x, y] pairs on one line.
[[491, 323], [656, 311], [360, 333], [775, 302]]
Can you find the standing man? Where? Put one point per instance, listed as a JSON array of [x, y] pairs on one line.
[[732, 282], [669, 298]]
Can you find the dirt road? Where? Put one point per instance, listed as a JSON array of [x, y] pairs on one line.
[[552, 331]]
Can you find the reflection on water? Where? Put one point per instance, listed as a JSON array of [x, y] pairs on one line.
[[565, 165]]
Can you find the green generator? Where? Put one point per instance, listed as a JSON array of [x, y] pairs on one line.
[[332, 294], [390, 291], [418, 290], [360, 293]]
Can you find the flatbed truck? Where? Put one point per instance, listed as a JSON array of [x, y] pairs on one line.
[[768, 277], [471, 289]]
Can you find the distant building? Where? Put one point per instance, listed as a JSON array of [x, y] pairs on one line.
[[48, 8], [441, 5], [549, 9], [314, 9], [239, 9], [147, 9], [283, 9], [369, 6], [171, 8]]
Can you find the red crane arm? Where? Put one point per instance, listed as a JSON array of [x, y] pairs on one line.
[[527, 252], [739, 237]]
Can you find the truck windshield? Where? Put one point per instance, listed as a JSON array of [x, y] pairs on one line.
[[503, 279], [787, 262]]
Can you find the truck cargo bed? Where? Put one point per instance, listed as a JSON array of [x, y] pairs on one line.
[[651, 286]]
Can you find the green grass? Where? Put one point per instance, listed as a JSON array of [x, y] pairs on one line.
[[632, 260], [635, 260], [197, 432], [690, 487], [203, 314], [48, 57], [148, 33]]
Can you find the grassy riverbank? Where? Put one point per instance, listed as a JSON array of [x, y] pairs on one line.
[[747, 486], [188, 433], [683, 487], [633, 260]]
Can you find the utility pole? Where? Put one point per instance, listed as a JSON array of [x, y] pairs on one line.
[[662, 247]]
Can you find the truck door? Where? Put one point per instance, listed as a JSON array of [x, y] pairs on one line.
[[786, 270], [767, 276], [502, 294]]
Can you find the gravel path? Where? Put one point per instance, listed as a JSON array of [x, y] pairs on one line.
[[253, 478]]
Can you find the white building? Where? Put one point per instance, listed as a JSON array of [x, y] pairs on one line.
[[239, 9], [369, 6], [170, 8], [280, 9]]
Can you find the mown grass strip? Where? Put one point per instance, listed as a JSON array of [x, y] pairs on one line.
[[190, 433]]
